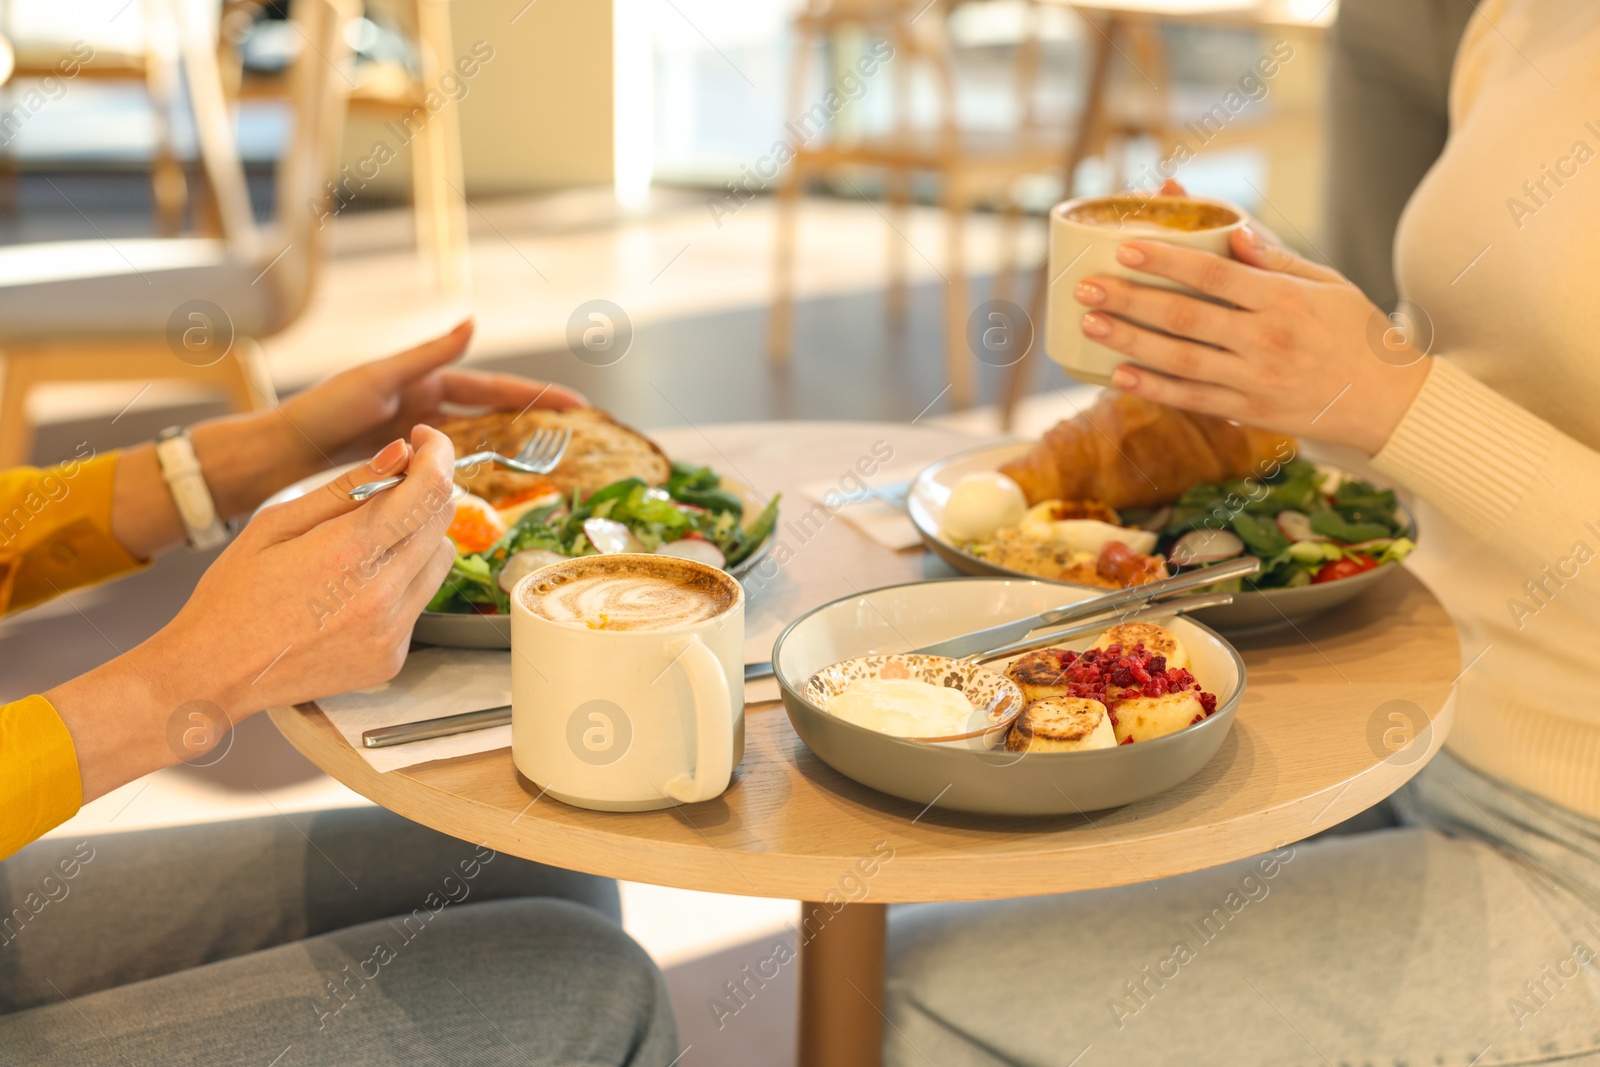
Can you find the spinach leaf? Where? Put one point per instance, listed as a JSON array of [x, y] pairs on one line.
[[1361, 502], [1330, 523], [750, 538], [1260, 535], [713, 499], [691, 477]]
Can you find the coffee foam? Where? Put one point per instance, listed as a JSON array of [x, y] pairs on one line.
[[622, 593], [1152, 214]]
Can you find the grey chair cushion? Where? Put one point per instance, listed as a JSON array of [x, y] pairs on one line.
[[60, 290]]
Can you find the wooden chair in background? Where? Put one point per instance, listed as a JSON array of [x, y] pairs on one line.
[[392, 92], [153, 66], [971, 166], [183, 309]]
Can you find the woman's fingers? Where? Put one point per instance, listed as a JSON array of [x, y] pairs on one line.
[[420, 507], [1252, 248], [426, 581], [484, 389], [295, 517], [1214, 275], [1172, 355], [1175, 392], [1175, 313]]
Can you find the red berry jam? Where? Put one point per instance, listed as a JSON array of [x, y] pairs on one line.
[[1111, 676]]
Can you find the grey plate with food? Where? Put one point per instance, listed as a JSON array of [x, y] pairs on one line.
[[1252, 609], [997, 782]]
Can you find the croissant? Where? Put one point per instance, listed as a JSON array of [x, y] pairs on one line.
[[1127, 452]]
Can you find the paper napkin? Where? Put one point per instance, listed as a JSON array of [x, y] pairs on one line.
[[877, 510], [434, 682]]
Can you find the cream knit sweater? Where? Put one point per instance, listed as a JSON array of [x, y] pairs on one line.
[[1500, 246]]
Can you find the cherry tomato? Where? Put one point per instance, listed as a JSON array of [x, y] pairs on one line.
[[1344, 568]]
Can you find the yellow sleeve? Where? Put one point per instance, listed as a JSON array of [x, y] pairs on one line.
[[40, 787], [55, 530]]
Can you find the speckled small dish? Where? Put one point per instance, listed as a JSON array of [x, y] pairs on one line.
[[995, 699]]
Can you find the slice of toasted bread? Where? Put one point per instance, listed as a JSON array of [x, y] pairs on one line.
[[1157, 640], [1064, 724], [602, 451], [1038, 674]]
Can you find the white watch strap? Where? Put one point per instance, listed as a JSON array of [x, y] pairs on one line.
[[181, 469]]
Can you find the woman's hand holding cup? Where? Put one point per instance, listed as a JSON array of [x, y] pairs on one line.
[[1284, 343]]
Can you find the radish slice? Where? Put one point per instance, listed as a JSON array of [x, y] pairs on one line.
[[609, 536], [1158, 519], [1205, 546], [1296, 526], [697, 550], [521, 564]]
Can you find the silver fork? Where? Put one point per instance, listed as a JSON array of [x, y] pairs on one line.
[[540, 455]]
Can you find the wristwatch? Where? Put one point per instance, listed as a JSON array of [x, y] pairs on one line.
[[175, 453]]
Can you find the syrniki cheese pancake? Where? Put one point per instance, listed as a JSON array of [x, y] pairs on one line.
[[1137, 672], [1039, 674], [1062, 724], [1157, 640], [1141, 718]]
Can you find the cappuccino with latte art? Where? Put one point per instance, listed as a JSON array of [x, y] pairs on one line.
[[626, 592], [627, 681]]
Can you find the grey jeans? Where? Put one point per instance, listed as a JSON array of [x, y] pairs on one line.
[[1465, 935], [344, 938]]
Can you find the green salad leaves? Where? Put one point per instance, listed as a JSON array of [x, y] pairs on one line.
[[1303, 529], [692, 504]]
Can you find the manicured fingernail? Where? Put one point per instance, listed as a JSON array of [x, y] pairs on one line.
[[1252, 238], [1096, 324], [390, 456], [1090, 293], [1132, 255], [1123, 378]]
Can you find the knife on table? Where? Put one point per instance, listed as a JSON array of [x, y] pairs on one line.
[[468, 721], [1133, 598]]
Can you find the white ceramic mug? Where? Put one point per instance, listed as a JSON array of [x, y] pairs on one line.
[[628, 719], [1079, 250]]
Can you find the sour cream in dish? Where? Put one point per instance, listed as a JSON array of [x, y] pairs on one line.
[[904, 707]]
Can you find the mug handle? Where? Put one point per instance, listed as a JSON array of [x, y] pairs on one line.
[[713, 727]]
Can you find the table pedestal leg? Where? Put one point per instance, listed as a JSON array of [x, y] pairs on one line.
[[841, 985]]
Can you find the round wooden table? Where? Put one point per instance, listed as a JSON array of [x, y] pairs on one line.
[[1314, 743]]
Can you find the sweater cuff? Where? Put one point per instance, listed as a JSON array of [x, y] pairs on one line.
[[1466, 449], [75, 546], [40, 784]]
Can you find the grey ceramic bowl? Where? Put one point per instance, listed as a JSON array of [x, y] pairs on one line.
[[494, 631], [1251, 611], [899, 617]]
